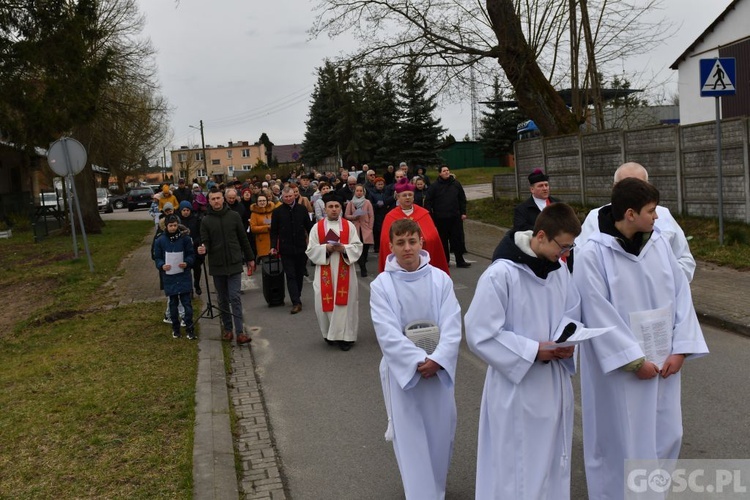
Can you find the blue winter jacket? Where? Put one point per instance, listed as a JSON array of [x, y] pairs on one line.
[[175, 284]]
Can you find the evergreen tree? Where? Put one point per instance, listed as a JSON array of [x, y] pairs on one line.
[[379, 121], [498, 126], [419, 131], [319, 142]]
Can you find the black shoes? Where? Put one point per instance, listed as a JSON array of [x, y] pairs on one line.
[[463, 264], [344, 345], [198, 290]]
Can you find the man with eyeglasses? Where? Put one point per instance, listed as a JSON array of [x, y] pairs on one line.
[[521, 303]]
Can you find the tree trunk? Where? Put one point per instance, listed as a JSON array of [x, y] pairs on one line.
[[536, 96], [86, 190], [596, 86]]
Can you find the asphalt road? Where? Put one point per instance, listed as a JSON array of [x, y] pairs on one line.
[[328, 418], [327, 413]]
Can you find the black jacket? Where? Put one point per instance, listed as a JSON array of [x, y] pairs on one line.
[[525, 214], [290, 226], [446, 199]]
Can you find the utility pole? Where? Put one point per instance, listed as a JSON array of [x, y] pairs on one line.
[[203, 146]]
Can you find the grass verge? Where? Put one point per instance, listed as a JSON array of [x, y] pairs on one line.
[[703, 234], [98, 401], [478, 175]]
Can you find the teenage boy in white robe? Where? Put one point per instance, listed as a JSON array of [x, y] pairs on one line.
[[339, 319], [526, 419], [631, 406], [670, 229], [417, 387]]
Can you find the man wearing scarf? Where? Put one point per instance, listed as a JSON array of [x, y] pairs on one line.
[[333, 247], [406, 209]]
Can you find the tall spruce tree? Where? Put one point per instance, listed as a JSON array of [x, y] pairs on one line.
[[320, 141], [419, 131], [498, 126], [380, 116]]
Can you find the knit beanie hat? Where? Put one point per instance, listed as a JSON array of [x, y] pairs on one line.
[[185, 204]]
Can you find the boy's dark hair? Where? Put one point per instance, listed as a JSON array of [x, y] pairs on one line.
[[557, 218], [402, 227], [632, 193], [169, 219]]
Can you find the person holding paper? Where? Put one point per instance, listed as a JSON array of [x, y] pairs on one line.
[[522, 302], [333, 247], [359, 210], [629, 278], [174, 256], [418, 387]]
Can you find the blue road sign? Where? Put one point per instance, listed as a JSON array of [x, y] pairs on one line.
[[717, 77]]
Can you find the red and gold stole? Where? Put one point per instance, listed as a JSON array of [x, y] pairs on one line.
[[326, 280]]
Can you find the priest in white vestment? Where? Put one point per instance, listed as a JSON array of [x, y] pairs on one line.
[[631, 405], [333, 247], [521, 301], [417, 386]]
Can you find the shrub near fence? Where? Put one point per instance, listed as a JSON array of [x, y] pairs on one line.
[[681, 161]]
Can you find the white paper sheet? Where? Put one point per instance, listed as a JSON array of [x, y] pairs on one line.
[[579, 336], [174, 259], [653, 329]]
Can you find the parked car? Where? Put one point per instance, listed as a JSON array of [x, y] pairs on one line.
[[119, 200], [102, 200], [139, 197]]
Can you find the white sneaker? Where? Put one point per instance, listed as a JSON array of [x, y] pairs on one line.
[[182, 322], [167, 320]]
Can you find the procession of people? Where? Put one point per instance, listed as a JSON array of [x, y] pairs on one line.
[[630, 283]]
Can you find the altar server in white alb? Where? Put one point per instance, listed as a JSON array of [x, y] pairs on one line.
[[670, 229], [521, 303], [417, 386], [334, 247], [629, 278]]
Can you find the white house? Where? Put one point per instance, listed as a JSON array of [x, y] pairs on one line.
[[727, 36]]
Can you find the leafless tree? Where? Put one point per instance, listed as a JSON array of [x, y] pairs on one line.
[[536, 43], [131, 119]]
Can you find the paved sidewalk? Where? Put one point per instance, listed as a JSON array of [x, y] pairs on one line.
[[720, 296]]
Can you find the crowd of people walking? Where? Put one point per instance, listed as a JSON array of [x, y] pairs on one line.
[[630, 281]]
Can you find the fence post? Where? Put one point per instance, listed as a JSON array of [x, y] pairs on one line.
[[746, 166], [678, 171], [581, 173]]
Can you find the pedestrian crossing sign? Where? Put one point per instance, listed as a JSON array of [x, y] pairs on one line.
[[717, 76]]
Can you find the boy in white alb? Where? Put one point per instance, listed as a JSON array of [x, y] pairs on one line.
[[417, 385], [526, 420], [631, 406]]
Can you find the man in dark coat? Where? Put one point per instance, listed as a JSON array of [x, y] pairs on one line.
[[290, 225], [183, 193], [224, 240], [525, 214], [446, 201]]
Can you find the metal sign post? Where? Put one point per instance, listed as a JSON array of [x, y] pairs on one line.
[[717, 78], [67, 157]]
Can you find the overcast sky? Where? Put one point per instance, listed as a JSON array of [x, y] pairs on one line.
[[246, 67]]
